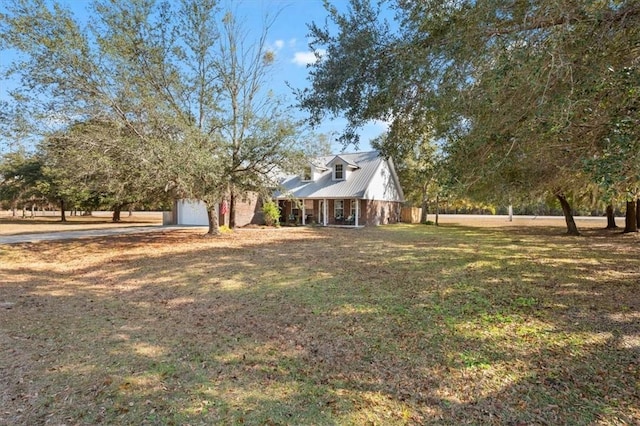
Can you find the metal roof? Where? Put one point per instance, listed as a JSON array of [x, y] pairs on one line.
[[355, 186]]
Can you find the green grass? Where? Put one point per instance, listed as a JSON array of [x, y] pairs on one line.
[[392, 325]]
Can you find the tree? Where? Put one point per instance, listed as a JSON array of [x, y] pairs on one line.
[[20, 178], [418, 166], [100, 160], [631, 224], [615, 166], [258, 133], [611, 218], [185, 87], [514, 91]]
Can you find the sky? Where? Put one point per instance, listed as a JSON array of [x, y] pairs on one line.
[[288, 38]]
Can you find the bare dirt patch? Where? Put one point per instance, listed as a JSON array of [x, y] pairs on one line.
[[393, 325]]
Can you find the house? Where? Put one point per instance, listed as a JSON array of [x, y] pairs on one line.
[[347, 189], [356, 189]]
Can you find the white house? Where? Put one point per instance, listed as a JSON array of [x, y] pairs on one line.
[[347, 189]]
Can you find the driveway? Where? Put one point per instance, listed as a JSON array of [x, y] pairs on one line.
[[67, 235]]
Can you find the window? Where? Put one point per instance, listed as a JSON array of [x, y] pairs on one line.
[[338, 172], [306, 175], [338, 209]]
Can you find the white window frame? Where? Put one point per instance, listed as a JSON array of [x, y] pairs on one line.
[[335, 171], [336, 209]]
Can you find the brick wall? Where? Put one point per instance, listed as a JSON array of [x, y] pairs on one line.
[[382, 212], [248, 211]]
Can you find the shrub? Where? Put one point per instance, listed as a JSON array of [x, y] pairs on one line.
[[271, 213]]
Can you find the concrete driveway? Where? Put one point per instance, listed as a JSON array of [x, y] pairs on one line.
[[67, 235]]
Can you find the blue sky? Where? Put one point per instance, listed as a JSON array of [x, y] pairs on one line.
[[288, 38]]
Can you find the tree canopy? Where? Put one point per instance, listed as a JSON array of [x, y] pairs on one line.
[[184, 80], [523, 97]]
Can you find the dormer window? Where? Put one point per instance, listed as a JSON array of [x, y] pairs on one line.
[[306, 174], [340, 168]]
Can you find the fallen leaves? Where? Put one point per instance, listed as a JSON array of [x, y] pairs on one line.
[[392, 325]]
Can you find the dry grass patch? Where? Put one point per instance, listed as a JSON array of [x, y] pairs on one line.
[[393, 325], [10, 225]]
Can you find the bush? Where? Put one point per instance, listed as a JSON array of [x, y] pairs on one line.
[[224, 229], [271, 213]]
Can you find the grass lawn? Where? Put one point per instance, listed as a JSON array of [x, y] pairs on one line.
[[402, 324]]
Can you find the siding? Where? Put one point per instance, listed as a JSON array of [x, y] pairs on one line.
[[383, 185]]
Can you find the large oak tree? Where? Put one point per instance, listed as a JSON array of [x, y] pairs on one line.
[[521, 95]]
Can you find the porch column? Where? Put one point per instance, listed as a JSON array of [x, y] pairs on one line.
[[304, 213], [357, 201], [325, 207]]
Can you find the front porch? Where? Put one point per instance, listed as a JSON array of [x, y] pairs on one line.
[[346, 213]]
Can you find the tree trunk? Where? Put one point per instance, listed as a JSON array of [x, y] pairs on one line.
[[638, 213], [212, 214], [232, 208], [572, 229], [611, 218], [63, 217], [437, 208], [630, 219], [424, 210], [116, 213]]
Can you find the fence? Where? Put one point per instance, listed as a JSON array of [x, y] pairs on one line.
[[410, 214]]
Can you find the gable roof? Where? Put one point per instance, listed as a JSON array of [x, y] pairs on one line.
[[349, 162], [365, 167]]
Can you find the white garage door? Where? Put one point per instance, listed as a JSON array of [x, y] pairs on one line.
[[192, 213]]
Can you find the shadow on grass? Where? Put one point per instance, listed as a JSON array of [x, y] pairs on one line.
[[392, 325]]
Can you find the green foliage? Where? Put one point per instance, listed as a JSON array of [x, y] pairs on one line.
[[271, 213], [97, 164], [21, 178], [183, 92], [517, 97]]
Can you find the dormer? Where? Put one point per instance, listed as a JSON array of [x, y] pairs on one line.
[[307, 174], [312, 172], [341, 168]]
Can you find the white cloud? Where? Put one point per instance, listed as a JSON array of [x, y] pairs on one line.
[[279, 44], [306, 58]]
